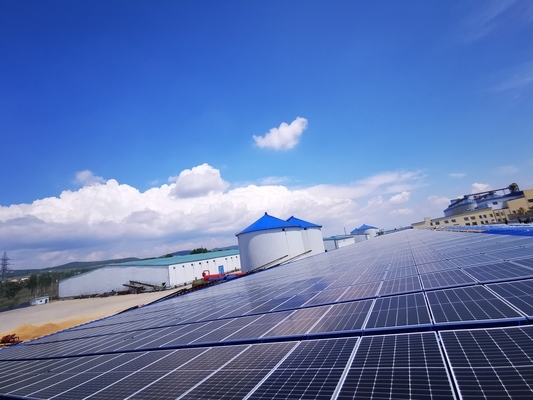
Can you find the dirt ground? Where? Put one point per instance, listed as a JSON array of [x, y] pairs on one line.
[[36, 321]]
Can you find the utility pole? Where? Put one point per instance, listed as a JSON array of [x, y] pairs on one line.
[[5, 268]]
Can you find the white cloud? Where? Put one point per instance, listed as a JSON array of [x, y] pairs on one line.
[[87, 178], [400, 198], [274, 180], [507, 170], [438, 201], [402, 211], [283, 138], [491, 16], [108, 219], [516, 78], [458, 175], [198, 181], [480, 187]]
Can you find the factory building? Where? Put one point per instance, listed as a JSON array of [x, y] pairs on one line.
[[154, 273], [512, 205], [338, 241], [271, 241]]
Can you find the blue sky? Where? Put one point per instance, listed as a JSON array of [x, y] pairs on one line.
[[136, 128]]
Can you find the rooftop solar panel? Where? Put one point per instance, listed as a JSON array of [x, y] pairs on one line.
[[325, 327], [473, 303], [408, 366], [492, 363]]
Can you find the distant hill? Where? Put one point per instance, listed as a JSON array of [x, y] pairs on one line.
[[187, 252]]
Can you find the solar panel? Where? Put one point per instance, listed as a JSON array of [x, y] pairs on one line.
[[472, 303], [499, 272], [363, 321], [408, 366], [446, 279], [399, 311], [491, 363], [519, 294]]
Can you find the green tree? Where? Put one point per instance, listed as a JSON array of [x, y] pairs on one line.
[[32, 283], [200, 250]]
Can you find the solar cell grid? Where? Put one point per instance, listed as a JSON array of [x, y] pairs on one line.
[[492, 363], [519, 294], [401, 285], [365, 290], [472, 303], [397, 367], [298, 322], [401, 272], [343, 317], [502, 271], [312, 370], [397, 311], [444, 279], [435, 266]]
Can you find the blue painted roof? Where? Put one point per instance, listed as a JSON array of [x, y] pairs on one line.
[[268, 222], [302, 223], [363, 227]]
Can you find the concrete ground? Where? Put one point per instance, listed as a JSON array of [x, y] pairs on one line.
[[36, 321]]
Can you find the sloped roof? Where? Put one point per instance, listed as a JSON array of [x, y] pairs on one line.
[[166, 261], [302, 223], [268, 222], [363, 227]]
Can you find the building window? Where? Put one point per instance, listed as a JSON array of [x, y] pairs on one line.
[[495, 203], [473, 217], [437, 223], [466, 218], [492, 216], [474, 223], [467, 224], [530, 200], [453, 220], [446, 221]]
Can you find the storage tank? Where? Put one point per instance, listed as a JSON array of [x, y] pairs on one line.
[[269, 241], [366, 231], [311, 236]]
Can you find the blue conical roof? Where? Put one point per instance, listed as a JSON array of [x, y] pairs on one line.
[[268, 222], [363, 227], [302, 223]]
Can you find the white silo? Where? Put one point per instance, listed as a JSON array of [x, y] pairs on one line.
[[311, 236], [268, 242], [365, 232]]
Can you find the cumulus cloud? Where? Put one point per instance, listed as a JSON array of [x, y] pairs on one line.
[[438, 201], [402, 211], [400, 198], [283, 138], [480, 187], [196, 208], [198, 181], [87, 178]]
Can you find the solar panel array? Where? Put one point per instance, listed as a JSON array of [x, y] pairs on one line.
[[414, 314]]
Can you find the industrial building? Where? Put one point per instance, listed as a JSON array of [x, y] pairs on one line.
[[271, 241], [506, 205], [417, 314], [160, 272]]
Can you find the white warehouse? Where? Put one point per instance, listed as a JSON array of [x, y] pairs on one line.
[[170, 272], [272, 241]]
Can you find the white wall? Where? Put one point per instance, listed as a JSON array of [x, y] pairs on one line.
[[260, 248], [187, 272], [107, 279]]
